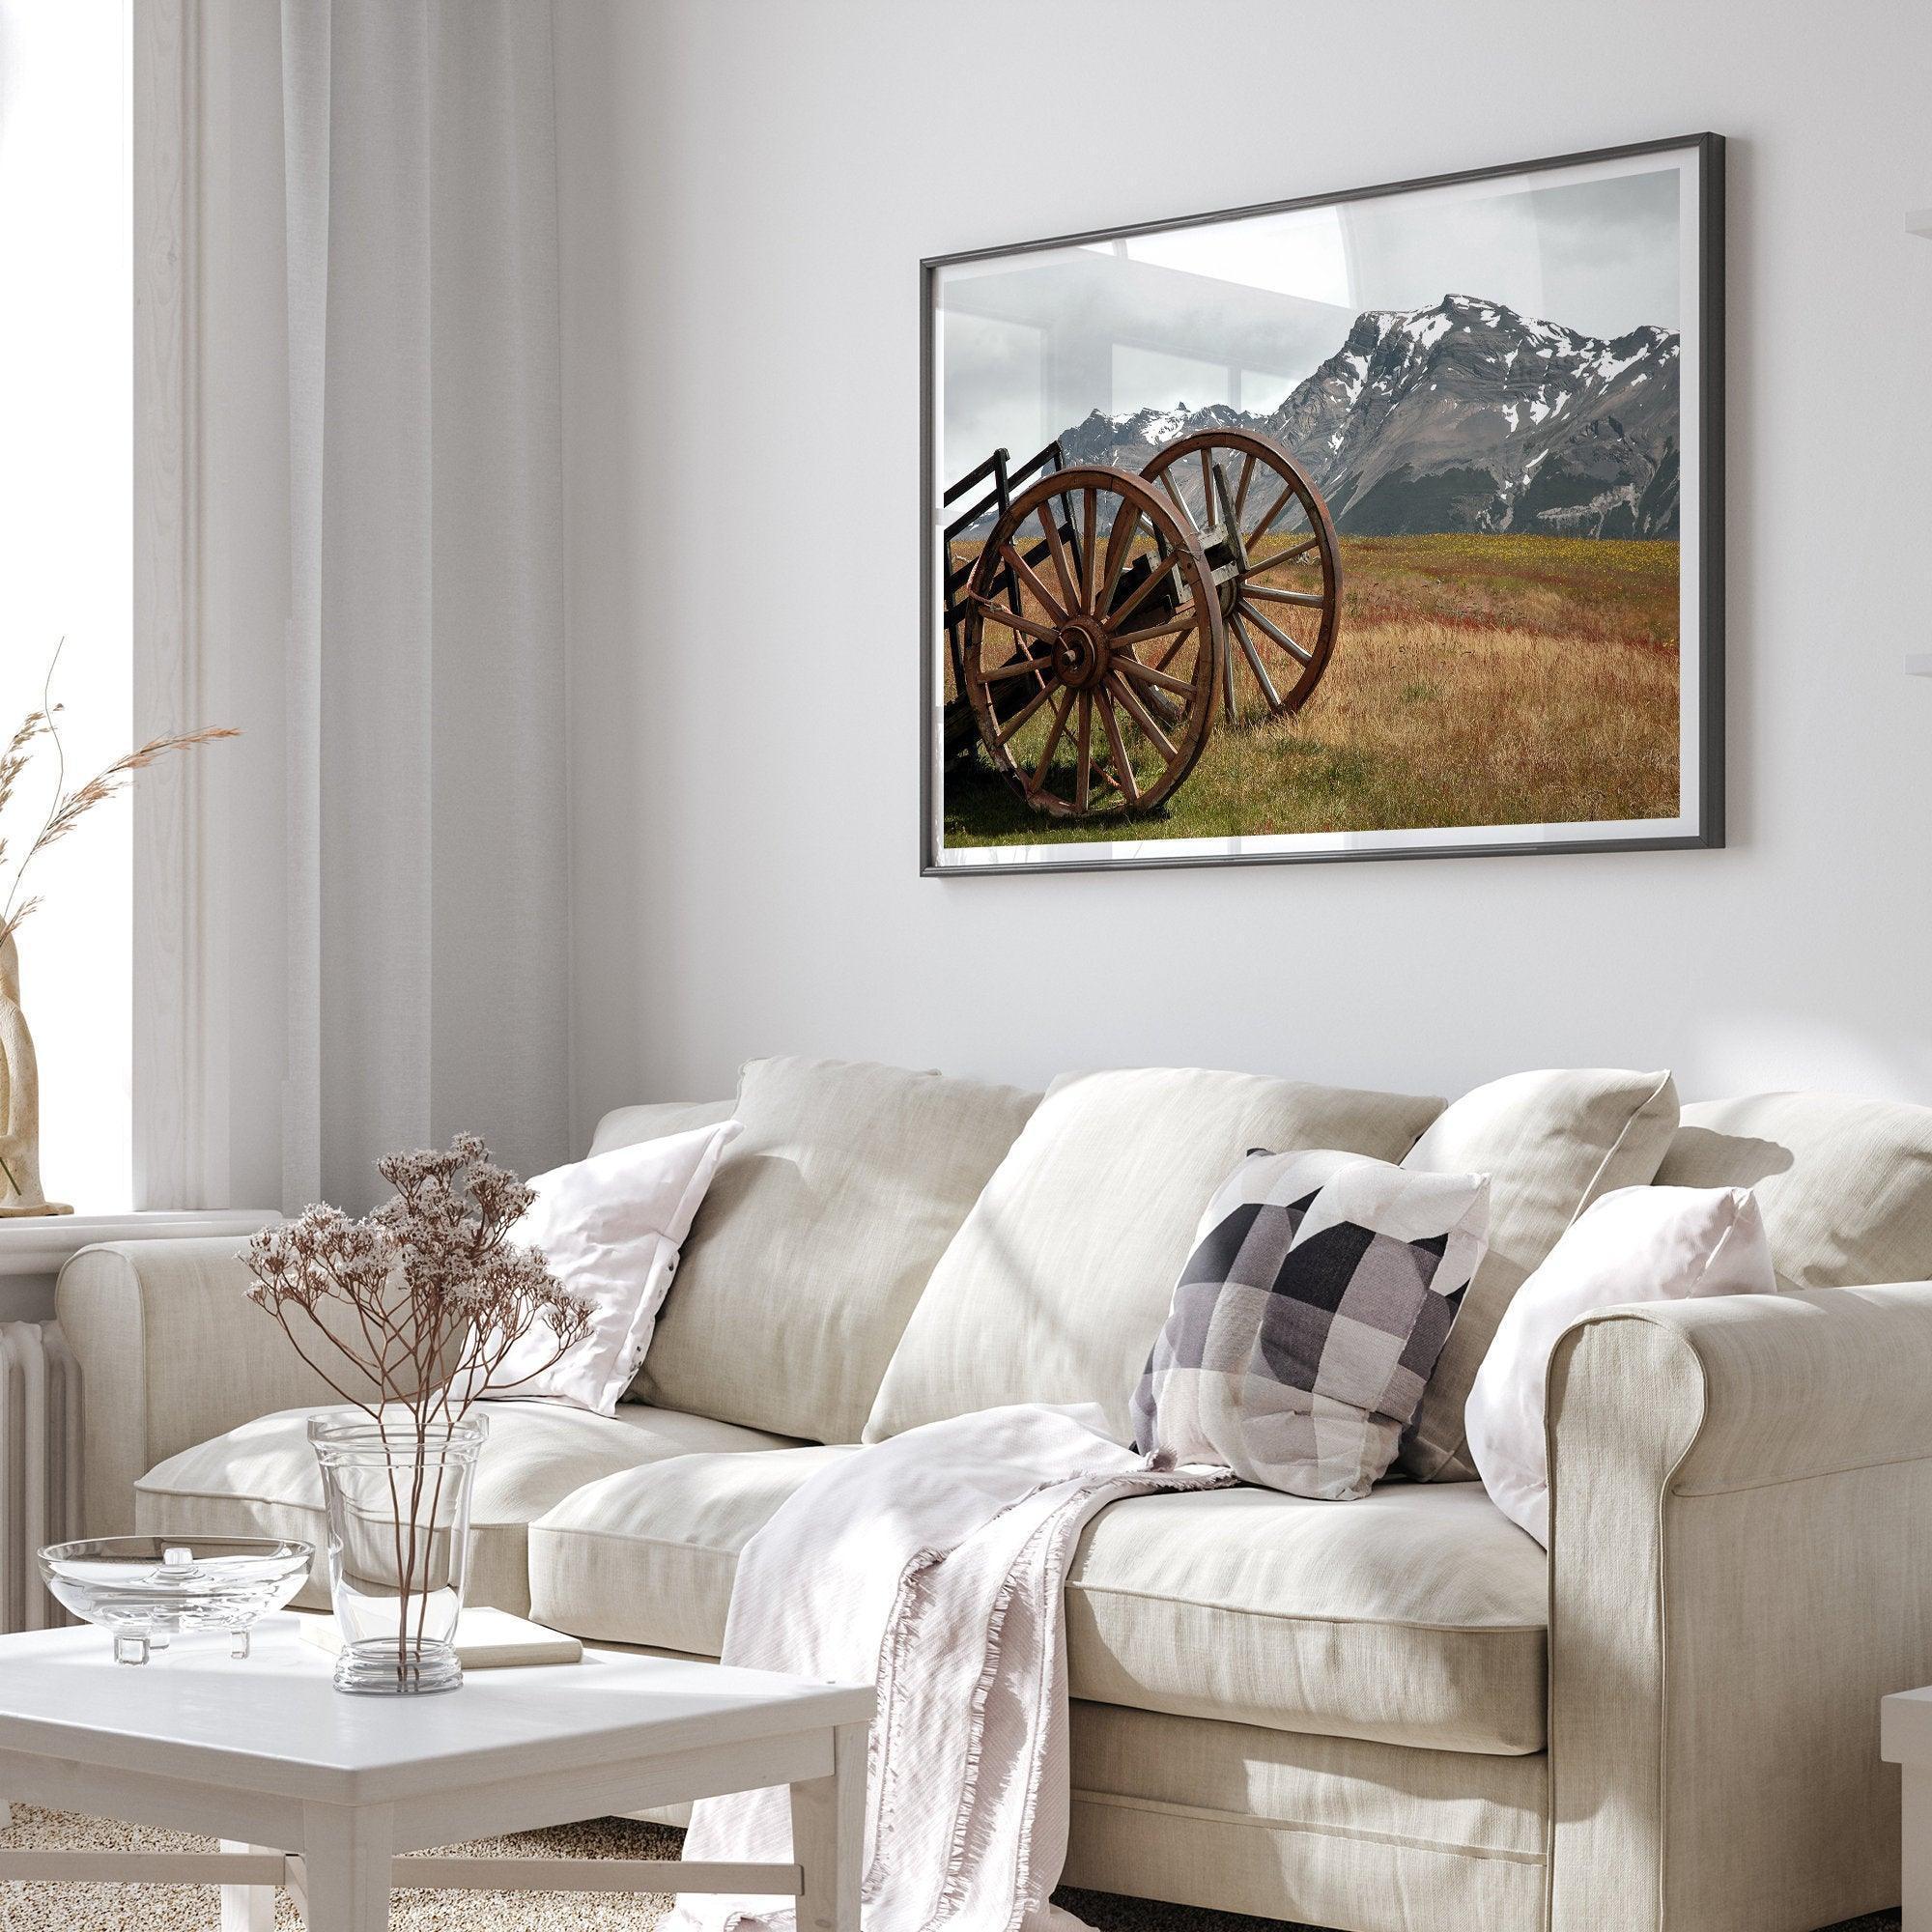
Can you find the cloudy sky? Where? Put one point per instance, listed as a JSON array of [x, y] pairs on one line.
[[1240, 311]]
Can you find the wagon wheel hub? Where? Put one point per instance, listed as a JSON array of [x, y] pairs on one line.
[[1081, 653]]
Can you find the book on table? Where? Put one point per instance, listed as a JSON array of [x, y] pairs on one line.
[[486, 1640]]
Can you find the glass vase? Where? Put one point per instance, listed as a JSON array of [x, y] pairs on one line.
[[397, 1493]]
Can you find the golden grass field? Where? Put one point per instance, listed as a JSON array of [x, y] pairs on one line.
[[1475, 680]]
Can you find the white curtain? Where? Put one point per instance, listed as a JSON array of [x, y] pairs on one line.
[[426, 910]]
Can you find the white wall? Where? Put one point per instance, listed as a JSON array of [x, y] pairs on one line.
[[747, 188]]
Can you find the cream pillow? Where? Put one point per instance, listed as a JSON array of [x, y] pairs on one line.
[[1639, 1244], [818, 1235], [1844, 1182], [1059, 1280], [609, 1227], [1551, 1143]]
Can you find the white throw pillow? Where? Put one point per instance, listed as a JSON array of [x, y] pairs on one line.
[[610, 1227], [1639, 1244]]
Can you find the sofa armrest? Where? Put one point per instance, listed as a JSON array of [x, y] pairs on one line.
[[1740, 1493], [170, 1354]]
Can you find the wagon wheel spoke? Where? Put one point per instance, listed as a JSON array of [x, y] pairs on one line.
[[1141, 715], [1241, 488], [1053, 737], [1255, 664], [1013, 620], [1266, 524], [1087, 558], [1130, 640], [1012, 726], [1160, 680], [1030, 577], [1294, 553], [1117, 754], [1082, 778], [1309, 600], [1145, 590], [1296, 651], [1024, 665], [1062, 570], [1173, 651], [1120, 541]]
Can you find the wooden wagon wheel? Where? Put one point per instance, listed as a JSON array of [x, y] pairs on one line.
[[1268, 537], [1095, 696]]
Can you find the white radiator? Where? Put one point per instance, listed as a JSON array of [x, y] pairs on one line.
[[40, 1465]]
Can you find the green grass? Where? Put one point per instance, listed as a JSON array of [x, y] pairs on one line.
[[1475, 681]]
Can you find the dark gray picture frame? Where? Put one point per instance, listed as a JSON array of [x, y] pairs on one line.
[[1702, 812]]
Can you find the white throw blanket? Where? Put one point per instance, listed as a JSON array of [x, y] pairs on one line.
[[934, 1563]]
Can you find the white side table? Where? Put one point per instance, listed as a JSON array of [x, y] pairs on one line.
[[319, 1792], [1905, 1738]]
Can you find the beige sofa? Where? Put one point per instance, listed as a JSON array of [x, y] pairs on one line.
[[1396, 1714]]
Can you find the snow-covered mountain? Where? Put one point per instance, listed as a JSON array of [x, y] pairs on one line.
[[1464, 417]]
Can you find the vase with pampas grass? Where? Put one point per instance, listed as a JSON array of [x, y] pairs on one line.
[[21, 1190]]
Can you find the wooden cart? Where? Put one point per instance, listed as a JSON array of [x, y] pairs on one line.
[[1107, 617]]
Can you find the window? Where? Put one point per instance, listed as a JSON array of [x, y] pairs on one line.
[[66, 483]]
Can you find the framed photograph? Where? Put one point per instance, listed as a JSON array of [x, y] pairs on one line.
[[1376, 524]]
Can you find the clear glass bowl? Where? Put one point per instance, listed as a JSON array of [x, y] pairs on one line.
[[145, 1590]]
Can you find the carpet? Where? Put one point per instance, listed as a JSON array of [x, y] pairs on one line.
[[188, 1907]]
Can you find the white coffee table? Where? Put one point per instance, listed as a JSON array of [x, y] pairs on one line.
[[320, 1791], [1905, 1738]]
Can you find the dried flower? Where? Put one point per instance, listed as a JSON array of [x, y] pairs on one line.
[[69, 807], [428, 1294], [416, 1306]]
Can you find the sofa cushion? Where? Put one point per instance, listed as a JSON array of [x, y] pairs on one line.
[[1844, 1182], [1415, 1616], [262, 1480], [816, 1239], [626, 1126], [621, 1561], [1551, 1143], [1060, 1278]]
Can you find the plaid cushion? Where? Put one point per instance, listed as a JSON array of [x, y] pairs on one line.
[[1304, 1325]]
